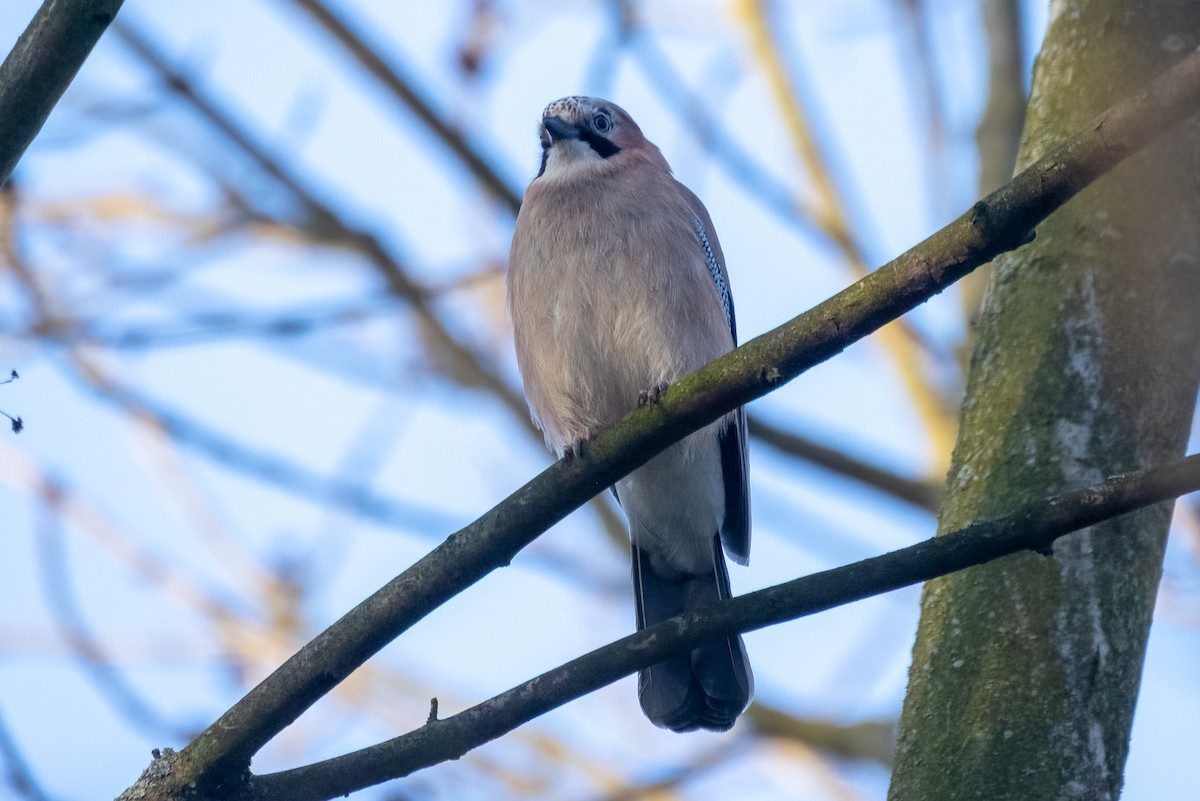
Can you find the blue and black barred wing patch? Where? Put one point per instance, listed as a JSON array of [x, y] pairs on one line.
[[714, 271]]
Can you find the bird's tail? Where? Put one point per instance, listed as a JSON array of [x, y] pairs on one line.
[[707, 688]]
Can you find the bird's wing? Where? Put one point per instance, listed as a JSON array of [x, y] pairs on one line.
[[735, 531], [706, 238]]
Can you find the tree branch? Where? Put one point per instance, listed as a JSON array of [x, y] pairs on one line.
[[1033, 527], [1005, 220], [42, 65]]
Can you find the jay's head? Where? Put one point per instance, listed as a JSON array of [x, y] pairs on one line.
[[587, 136]]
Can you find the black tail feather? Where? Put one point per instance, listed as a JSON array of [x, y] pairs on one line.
[[707, 688]]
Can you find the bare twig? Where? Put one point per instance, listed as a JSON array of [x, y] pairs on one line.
[[831, 210], [42, 65], [267, 467], [330, 221], [222, 325], [17, 423], [998, 134], [20, 471], [1005, 220]]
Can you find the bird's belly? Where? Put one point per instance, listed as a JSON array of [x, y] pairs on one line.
[[596, 325], [608, 349], [609, 356]]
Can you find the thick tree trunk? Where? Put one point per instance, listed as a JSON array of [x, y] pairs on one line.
[[1025, 672]]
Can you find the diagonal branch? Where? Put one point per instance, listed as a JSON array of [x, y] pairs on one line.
[[42, 65], [1003, 221], [1033, 527]]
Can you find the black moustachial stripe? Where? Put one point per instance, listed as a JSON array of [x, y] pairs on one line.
[[603, 147]]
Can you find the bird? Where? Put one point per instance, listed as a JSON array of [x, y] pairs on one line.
[[617, 287]]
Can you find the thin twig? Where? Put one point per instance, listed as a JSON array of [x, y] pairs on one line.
[[397, 276], [741, 167], [870, 740], [998, 135], [267, 467], [831, 210], [222, 325], [17, 423], [677, 776]]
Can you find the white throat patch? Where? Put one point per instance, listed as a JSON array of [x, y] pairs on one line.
[[569, 158]]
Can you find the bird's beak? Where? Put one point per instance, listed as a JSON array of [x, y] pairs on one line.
[[558, 128]]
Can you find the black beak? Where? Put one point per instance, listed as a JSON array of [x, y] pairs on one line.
[[558, 128]]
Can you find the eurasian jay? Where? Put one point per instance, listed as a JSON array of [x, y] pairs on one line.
[[617, 286]]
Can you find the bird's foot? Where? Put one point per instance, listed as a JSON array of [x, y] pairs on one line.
[[574, 450], [652, 394]]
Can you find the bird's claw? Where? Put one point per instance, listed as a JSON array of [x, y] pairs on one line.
[[652, 394]]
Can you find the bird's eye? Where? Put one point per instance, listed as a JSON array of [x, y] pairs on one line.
[[602, 123]]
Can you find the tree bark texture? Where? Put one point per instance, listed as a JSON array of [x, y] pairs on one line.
[[1025, 671]]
